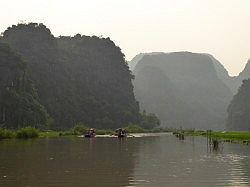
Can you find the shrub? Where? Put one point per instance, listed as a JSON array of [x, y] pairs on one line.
[[48, 133], [67, 133], [6, 134], [100, 132], [132, 128], [79, 129], [156, 130], [27, 132], [104, 131], [149, 121]]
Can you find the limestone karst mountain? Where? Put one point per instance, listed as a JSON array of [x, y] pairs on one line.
[[78, 79], [183, 89]]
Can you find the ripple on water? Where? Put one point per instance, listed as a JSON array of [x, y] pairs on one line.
[[147, 161]]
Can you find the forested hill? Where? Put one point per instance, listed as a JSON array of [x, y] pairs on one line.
[[78, 79], [183, 89], [239, 109], [19, 104]]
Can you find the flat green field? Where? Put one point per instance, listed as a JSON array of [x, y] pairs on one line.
[[226, 135], [240, 135]]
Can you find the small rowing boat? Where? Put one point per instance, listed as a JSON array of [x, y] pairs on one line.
[[90, 133]]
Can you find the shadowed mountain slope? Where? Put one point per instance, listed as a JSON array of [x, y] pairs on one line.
[[183, 89], [239, 109], [78, 79]]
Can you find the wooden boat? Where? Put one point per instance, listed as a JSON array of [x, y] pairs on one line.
[[90, 133], [121, 133]]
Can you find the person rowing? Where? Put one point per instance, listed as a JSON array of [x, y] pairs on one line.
[[121, 133], [90, 133]]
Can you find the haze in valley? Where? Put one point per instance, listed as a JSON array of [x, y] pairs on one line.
[[219, 28]]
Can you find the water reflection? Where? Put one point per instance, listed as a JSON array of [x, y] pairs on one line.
[[240, 165], [148, 161], [67, 162], [170, 162]]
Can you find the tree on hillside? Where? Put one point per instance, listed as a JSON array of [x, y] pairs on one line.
[[19, 104], [78, 79], [102, 79], [239, 109], [149, 121]]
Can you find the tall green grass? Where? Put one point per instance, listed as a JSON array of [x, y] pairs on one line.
[[79, 129], [104, 131], [6, 133], [27, 132], [48, 133], [227, 135], [241, 135], [135, 129]]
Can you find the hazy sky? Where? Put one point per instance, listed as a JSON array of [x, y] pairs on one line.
[[218, 27]]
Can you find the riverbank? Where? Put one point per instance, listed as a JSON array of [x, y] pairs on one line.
[[227, 136], [99, 132], [30, 132]]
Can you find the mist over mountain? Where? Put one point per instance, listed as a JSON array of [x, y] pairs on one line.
[[234, 82], [245, 74], [222, 74], [221, 71], [158, 94], [137, 58], [183, 89], [65, 80]]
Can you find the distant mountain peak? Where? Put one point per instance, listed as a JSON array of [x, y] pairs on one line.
[[183, 89]]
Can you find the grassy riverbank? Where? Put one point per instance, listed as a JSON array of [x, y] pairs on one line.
[[80, 130], [30, 132], [226, 135], [21, 133], [244, 135]]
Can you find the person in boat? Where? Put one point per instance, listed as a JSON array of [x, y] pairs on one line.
[[121, 132], [90, 133]]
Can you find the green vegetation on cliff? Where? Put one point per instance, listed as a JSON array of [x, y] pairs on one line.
[[78, 79], [19, 103], [239, 109]]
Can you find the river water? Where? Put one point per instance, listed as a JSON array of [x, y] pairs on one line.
[[161, 160]]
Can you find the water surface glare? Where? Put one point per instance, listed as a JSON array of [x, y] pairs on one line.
[[140, 161]]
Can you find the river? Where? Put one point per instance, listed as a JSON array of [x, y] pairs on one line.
[[152, 160]]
